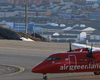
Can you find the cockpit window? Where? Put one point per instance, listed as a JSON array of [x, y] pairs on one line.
[[49, 58], [53, 59], [56, 58]]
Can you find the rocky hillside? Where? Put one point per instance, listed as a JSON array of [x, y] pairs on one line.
[[40, 37], [9, 34]]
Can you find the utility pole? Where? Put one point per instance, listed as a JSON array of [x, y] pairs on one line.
[[42, 34], [34, 32], [26, 18]]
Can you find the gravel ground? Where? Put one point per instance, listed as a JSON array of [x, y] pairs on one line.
[[37, 45]]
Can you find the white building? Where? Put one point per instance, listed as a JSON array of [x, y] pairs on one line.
[[94, 37]]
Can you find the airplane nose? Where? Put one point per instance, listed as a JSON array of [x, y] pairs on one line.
[[38, 69], [35, 70]]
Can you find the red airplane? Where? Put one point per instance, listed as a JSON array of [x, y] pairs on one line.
[[84, 59]]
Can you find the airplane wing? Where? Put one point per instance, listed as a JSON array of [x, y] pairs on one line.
[[85, 46]]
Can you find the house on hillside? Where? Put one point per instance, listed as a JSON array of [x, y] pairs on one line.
[[64, 38], [94, 38], [7, 13], [83, 28], [86, 12], [20, 27], [78, 28], [67, 28], [72, 33], [73, 36], [47, 35], [51, 28], [93, 24], [94, 16], [21, 13], [89, 30], [40, 13]]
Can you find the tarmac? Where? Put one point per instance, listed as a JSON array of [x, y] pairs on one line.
[[20, 53], [8, 70], [9, 44], [35, 45]]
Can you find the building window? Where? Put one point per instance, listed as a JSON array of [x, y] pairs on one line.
[[92, 37]]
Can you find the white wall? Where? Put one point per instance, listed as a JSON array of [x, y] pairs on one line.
[[82, 36]]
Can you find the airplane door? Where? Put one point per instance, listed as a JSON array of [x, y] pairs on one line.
[[72, 60]]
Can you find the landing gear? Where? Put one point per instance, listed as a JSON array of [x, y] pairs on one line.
[[96, 73], [45, 77]]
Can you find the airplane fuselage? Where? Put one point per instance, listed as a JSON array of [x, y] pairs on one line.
[[84, 59], [68, 62]]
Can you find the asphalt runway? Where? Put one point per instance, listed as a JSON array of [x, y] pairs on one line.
[[28, 58]]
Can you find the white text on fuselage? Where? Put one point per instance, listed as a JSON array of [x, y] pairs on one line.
[[79, 67]]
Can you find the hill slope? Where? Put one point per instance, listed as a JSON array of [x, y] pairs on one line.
[[9, 34]]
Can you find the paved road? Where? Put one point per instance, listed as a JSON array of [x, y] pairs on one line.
[[28, 59]]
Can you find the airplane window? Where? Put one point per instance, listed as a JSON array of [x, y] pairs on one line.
[[85, 60], [53, 58], [81, 60], [56, 58], [49, 58]]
